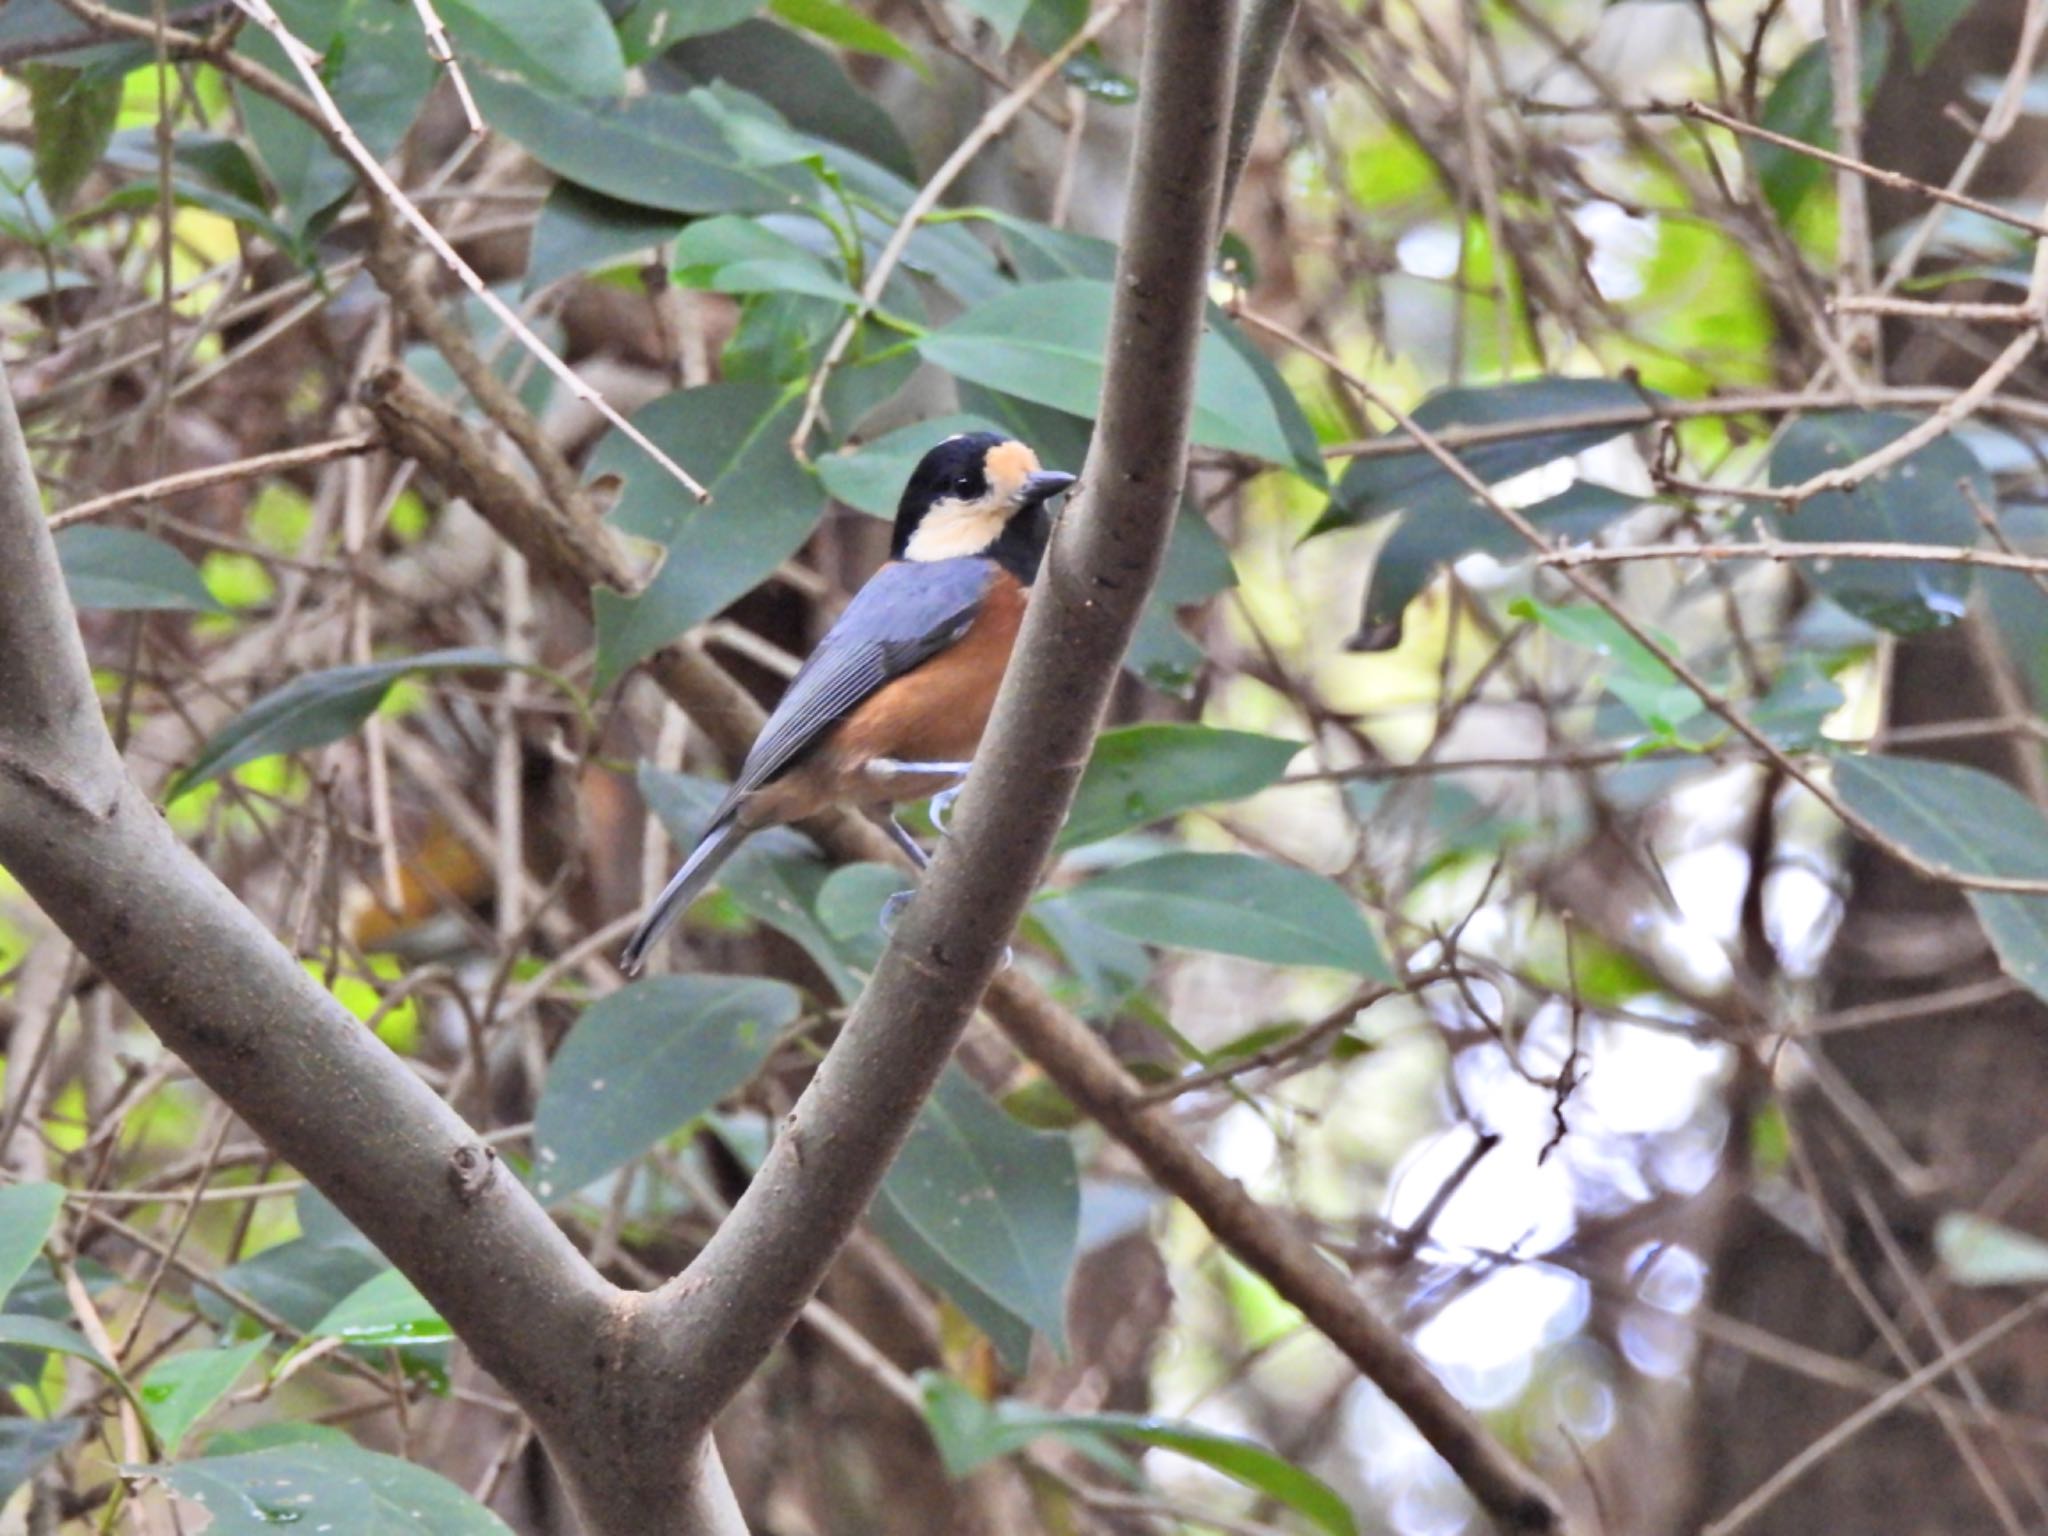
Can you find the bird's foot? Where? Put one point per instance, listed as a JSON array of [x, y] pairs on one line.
[[942, 808], [892, 912]]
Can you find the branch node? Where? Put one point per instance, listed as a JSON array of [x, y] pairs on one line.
[[471, 1167]]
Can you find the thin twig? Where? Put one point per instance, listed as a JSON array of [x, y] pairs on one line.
[[443, 52]]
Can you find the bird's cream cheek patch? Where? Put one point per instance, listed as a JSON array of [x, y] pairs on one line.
[[955, 528], [1009, 465]]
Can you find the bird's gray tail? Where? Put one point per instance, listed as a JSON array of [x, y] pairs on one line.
[[712, 850]]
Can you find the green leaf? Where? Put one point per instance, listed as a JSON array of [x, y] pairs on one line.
[[73, 112], [1425, 541], [999, 1202], [730, 254], [1010, 1334], [315, 1484], [299, 1281], [1144, 773], [970, 1433], [656, 151], [644, 1062], [317, 708], [1968, 820], [121, 568], [1802, 106], [1978, 1251], [1046, 343], [384, 1311], [843, 25], [1234, 904], [182, 1389], [47, 1334], [558, 45], [1923, 499], [1373, 486], [806, 84], [871, 478], [1637, 676], [28, 1215], [734, 438], [653, 25], [579, 229], [27, 1445], [1927, 24]]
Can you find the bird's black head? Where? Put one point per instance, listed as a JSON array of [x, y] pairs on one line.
[[977, 494]]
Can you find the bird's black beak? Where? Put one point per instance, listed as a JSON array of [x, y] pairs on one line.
[[1045, 485]]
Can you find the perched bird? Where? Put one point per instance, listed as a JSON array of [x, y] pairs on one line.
[[892, 703]]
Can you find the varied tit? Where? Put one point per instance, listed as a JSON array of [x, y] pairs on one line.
[[892, 703]]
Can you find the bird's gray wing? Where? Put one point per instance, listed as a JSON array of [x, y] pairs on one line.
[[905, 615]]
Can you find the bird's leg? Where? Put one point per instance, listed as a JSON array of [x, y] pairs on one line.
[[900, 836]]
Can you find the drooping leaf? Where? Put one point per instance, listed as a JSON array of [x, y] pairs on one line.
[[1636, 675], [73, 112], [730, 254], [308, 1483], [1977, 1251], [1445, 532], [644, 1062], [1144, 773], [317, 708], [579, 229], [28, 1215], [183, 1388], [1927, 25], [1967, 820], [123, 569], [1802, 106], [1046, 343], [735, 439], [385, 1311], [802, 82], [299, 1281], [970, 1433], [1923, 499], [1589, 412], [49, 1335], [1234, 904], [27, 1445], [999, 1202], [654, 25], [1010, 1334]]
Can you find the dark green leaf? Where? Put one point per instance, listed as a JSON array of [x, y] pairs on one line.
[[970, 1432], [314, 1483], [317, 708], [1045, 343], [566, 46], [1967, 820], [1802, 106], [385, 1310], [298, 1281], [182, 1389], [654, 25], [1928, 24], [849, 907], [657, 151], [802, 82], [47, 1334], [28, 1215], [731, 254], [1445, 532], [1591, 410], [1010, 1334], [121, 568], [26, 1446], [999, 1202], [1145, 773], [1234, 904], [73, 112], [1924, 499], [579, 229], [644, 1062], [2016, 606], [1108, 967], [734, 438], [1978, 1251]]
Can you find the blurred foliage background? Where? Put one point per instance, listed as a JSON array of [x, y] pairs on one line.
[[1477, 894]]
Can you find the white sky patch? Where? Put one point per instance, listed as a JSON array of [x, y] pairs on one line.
[[1429, 250], [1622, 243]]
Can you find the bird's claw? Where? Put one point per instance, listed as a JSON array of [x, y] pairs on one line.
[[892, 912], [942, 807]]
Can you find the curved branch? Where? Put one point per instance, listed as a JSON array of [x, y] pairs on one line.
[[762, 1264], [243, 1013]]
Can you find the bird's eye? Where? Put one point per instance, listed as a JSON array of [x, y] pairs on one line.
[[966, 485]]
